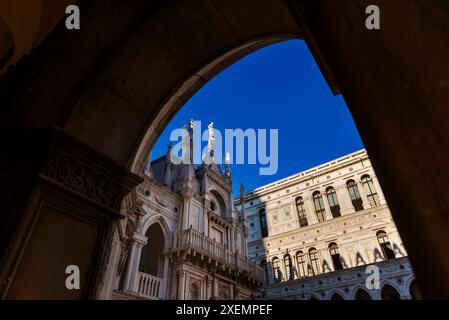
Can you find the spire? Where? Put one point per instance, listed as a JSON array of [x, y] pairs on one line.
[[191, 128], [168, 154], [227, 171], [168, 166], [211, 141]]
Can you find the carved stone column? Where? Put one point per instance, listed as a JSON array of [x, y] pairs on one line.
[[70, 196], [310, 210], [206, 204], [136, 245], [365, 201], [186, 196], [379, 190], [328, 213], [344, 200], [209, 283], [181, 284]]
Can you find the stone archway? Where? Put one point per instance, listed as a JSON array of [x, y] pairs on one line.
[[113, 109]]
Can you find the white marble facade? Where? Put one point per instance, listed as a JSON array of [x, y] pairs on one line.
[[183, 238], [315, 232]]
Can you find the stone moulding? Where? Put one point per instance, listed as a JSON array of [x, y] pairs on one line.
[[84, 171]]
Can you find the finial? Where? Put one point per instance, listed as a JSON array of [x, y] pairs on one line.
[[227, 158]]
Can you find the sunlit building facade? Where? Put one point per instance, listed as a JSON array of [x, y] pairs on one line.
[[321, 234], [183, 238]]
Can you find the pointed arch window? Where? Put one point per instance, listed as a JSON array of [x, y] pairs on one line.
[[370, 191], [319, 206], [314, 261], [302, 264], [263, 223], [301, 210], [385, 245], [335, 255], [354, 194], [333, 202]]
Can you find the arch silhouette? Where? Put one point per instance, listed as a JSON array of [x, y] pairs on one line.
[[362, 294], [179, 68], [388, 292], [336, 296]]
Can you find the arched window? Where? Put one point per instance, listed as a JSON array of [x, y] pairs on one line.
[[194, 292], [319, 206], [336, 296], [276, 270], [314, 261], [151, 256], [263, 223], [390, 293], [362, 295], [370, 191], [264, 266], [333, 250], [301, 210], [288, 267], [355, 195], [385, 245], [333, 202], [302, 264]]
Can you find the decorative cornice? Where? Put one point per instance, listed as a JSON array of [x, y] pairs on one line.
[[86, 172]]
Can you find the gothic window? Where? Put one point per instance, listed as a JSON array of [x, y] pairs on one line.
[[301, 210], [385, 245], [355, 195], [263, 223], [264, 266], [302, 264], [370, 191], [288, 267], [151, 256], [319, 206], [276, 270], [333, 202], [194, 292], [314, 261], [335, 255]]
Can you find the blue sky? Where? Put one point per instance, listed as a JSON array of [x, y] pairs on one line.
[[277, 87]]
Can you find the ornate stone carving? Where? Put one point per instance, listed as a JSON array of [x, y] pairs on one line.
[[86, 172]]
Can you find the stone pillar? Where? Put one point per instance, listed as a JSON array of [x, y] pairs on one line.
[[310, 210], [186, 196], [70, 197], [379, 190], [206, 204], [344, 200], [163, 290], [365, 201], [181, 284], [209, 283], [328, 213], [136, 245]]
